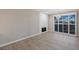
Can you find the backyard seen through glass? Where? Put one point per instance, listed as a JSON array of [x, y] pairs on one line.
[[65, 23]]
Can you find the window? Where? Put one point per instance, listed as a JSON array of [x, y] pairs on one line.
[[56, 27], [65, 23], [56, 20]]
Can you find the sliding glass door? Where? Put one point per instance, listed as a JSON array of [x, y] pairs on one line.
[[65, 23], [72, 24], [56, 24]]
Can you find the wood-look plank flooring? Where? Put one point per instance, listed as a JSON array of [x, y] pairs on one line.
[[46, 41]]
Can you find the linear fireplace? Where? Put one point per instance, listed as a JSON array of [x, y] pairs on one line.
[[43, 29]]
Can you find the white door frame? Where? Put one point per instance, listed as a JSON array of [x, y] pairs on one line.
[[68, 22]]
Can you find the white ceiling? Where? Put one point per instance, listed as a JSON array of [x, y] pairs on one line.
[[54, 11]]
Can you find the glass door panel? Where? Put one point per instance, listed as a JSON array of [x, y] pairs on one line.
[[60, 19], [72, 19], [60, 28], [65, 19], [56, 27], [65, 29], [72, 29], [55, 20]]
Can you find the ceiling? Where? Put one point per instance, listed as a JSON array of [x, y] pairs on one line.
[[54, 11]]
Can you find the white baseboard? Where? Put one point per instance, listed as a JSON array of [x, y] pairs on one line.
[[19, 40]]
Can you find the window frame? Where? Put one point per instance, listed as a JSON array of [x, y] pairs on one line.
[[58, 15]]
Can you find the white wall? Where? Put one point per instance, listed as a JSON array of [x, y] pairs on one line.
[[50, 23], [17, 24], [43, 20]]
